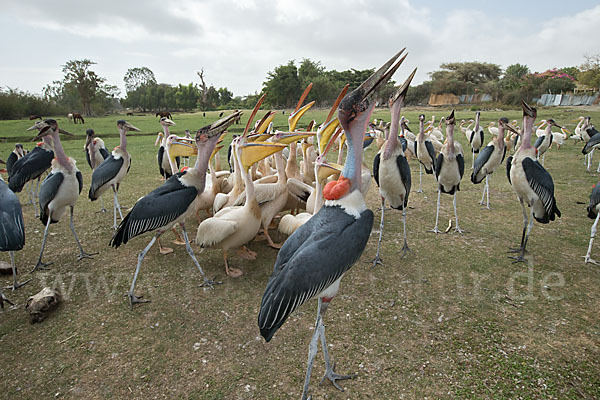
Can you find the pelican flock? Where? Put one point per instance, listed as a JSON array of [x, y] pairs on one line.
[[318, 204]]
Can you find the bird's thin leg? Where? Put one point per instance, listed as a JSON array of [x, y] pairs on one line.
[[117, 206], [4, 299], [525, 221], [232, 272], [405, 248], [188, 247], [132, 298], [473, 159], [102, 210], [543, 158], [457, 229], [378, 259], [35, 194], [179, 239], [270, 241], [15, 284], [420, 178], [329, 367], [598, 169], [30, 191], [82, 254], [313, 347], [487, 191], [521, 257], [40, 264], [482, 195], [437, 214], [587, 258]]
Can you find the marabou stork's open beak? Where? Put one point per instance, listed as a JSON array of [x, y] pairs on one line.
[[400, 94], [219, 126], [450, 120], [291, 137], [254, 152], [528, 111], [129, 127], [507, 126]]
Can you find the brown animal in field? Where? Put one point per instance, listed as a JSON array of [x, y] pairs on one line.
[[238, 118], [164, 114], [35, 117], [130, 114], [78, 117]]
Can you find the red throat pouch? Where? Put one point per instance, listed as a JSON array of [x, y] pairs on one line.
[[336, 189]]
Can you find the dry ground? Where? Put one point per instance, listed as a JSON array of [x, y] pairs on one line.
[[453, 319]]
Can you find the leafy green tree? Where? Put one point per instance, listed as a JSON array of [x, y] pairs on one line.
[[283, 86], [137, 77], [590, 71], [86, 82]]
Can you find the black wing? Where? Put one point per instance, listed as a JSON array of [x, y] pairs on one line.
[[104, 173], [431, 152], [79, 180], [594, 140], [471, 137], [461, 165], [503, 154], [376, 162], [403, 142], [539, 141], [508, 167], [594, 201], [29, 167], [306, 264], [482, 158], [48, 191], [481, 137], [10, 161], [88, 158], [157, 209], [541, 183], [104, 153], [12, 227], [159, 157], [438, 165], [404, 169], [178, 162]]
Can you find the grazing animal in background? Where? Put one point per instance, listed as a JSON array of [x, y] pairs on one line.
[[316, 256], [130, 114], [60, 189], [532, 183], [593, 213], [164, 114], [70, 117], [35, 116], [78, 117]]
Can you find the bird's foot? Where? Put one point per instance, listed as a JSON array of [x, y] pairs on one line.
[[435, 230], [458, 230], [246, 253], [115, 227], [209, 283], [133, 299], [41, 266], [260, 237], [420, 191], [165, 250], [405, 250], [17, 285], [179, 242], [234, 272], [333, 377], [83, 255], [276, 245], [4, 299], [588, 259], [518, 259], [101, 211], [515, 250], [376, 261], [484, 207]]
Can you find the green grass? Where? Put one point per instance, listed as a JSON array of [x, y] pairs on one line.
[[454, 319]]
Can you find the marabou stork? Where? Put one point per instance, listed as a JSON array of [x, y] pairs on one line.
[[449, 170], [306, 267], [532, 183], [112, 170], [592, 142], [164, 165], [475, 137], [390, 167], [543, 143], [12, 233], [593, 213], [490, 158], [95, 154], [15, 155], [60, 190], [172, 202], [425, 152]]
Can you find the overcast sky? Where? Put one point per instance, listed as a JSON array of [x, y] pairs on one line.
[[239, 41]]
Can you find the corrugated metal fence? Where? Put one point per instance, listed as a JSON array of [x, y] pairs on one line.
[[567, 100]]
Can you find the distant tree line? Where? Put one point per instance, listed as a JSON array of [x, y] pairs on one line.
[[83, 90]]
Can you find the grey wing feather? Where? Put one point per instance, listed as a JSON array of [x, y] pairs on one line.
[[539, 141], [541, 183], [12, 227], [594, 140], [79, 177], [594, 201], [376, 162], [104, 173], [48, 191], [438, 165], [508, 167], [482, 158], [404, 169], [461, 165]]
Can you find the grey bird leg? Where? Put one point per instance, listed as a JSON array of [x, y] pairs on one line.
[[132, 298], [40, 264], [587, 258], [102, 210], [521, 257], [437, 214], [486, 192], [329, 368], [16, 283], [590, 156], [4, 299], [405, 248], [525, 221], [457, 229], [82, 254], [188, 247], [116, 206], [313, 347], [473, 159], [377, 259], [420, 178], [543, 158], [30, 192]]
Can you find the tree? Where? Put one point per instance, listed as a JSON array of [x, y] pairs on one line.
[[590, 71], [203, 88], [283, 86], [137, 77], [516, 71], [473, 72], [85, 81]]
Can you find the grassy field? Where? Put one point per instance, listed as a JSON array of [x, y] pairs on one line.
[[454, 319]]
